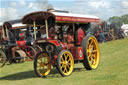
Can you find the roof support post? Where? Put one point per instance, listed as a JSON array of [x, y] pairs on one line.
[[6, 30], [3, 32], [46, 26], [73, 28], [34, 23]]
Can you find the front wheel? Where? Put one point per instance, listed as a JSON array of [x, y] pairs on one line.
[[42, 64], [2, 58], [91, 52], [65, 63]]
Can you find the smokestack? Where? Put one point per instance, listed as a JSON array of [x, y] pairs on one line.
[[44, 5]]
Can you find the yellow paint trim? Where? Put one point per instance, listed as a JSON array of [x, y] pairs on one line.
[[46, 25], [34, 24], [3, 32]]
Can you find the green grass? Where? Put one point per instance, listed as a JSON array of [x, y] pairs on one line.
[[113, 70]]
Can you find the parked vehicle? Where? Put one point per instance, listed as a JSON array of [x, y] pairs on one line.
[[64, 41], [10, 32]]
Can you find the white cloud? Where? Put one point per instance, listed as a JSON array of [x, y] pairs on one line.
[[124, 4], [8, 14], [13, 4], [30, 5], [99, 4], [22, 2], [1, 23], [12, 11], [17, 4]]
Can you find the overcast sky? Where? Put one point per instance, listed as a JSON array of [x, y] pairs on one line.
[[14, 9]]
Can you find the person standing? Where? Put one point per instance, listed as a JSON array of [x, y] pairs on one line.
[[102, 37]]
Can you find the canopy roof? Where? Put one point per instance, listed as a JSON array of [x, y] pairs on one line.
[[59, 17], [68, 17], [14, 24], [37, 17]]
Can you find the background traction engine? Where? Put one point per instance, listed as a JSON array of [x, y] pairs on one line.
[[30, 51]]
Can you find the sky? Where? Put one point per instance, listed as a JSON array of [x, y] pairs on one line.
[[15, 9]]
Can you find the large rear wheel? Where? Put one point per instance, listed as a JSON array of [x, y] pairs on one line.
[[42, 64], [91, 52], [65, 63], [2, 58]]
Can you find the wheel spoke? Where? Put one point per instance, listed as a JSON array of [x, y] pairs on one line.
[[65, 57], [61, 62], [65, 69], [91, 42], [94, 61], [68, 67], [41, 60], [91, 47], [94, 51], [43, 67], [89, 54], [68, 60], [62, 65], [62, 58], [88, 50], [38, 62], [90, 59]]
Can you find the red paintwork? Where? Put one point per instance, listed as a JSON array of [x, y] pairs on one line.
[[55, 42], [64, 45], [80, 53], [70, 38], [80, 35], [70, 46], [75, 19], [77, 53], [21, 43], [0, 28], [5, 39]]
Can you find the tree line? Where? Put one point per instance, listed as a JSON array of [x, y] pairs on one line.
[[119, 20]]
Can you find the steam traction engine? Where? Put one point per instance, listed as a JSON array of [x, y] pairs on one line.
[[9, 39], [64, 41]]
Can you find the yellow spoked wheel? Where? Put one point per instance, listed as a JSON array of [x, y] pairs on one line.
[[42, 64], [65, 63], [2, 58], [91, 52]]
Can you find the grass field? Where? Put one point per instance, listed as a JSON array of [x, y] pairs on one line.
[[113, 70]]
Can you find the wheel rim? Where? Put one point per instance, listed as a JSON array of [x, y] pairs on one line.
[[93, 52], [37, 48], [66, 63], [30, 53], [1, 59], [43, 64]]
